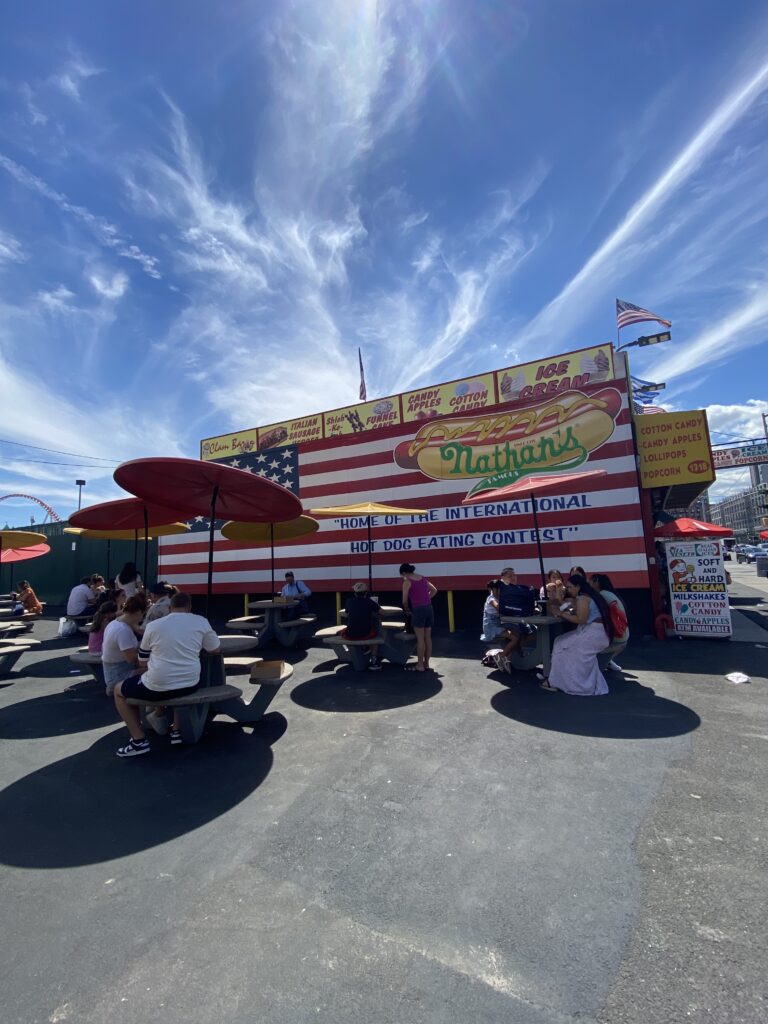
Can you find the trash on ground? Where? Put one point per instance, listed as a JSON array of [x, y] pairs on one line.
[[737, 677]]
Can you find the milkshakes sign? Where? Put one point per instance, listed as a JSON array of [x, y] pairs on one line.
[[498, 449], [697, 587]]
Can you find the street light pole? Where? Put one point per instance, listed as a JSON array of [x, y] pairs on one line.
[[647, 339], [80, 486]]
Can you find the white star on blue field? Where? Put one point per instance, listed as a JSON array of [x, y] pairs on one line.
[[205, 209]]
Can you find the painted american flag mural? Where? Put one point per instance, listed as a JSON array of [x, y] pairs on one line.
[[596, 524]]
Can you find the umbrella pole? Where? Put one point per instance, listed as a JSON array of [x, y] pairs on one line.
[[538, 542], [272, 558], [214, 496], [370, 559], [146, 544], [135, 546], [109, 563]]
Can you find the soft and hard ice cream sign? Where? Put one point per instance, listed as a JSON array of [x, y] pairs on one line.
[[697, 588], [554, 376], [497, 449]]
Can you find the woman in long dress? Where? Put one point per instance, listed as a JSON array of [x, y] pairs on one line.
[[574, 666]]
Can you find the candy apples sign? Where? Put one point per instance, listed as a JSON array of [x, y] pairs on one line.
[[498, 448]]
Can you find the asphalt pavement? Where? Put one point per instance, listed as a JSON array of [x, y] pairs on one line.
[[461, 848]]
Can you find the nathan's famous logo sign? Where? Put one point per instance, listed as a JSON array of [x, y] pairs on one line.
[[502, 447]]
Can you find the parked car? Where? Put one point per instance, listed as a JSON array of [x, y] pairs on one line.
[[749, 554]]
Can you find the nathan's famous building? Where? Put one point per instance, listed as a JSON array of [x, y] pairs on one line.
[[432, 449]]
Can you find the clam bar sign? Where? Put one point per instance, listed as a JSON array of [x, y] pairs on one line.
[[698, 592]]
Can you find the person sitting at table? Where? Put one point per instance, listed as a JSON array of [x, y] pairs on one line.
[[82, 598], [105, 613], [299, 590], [554, 592], [603, 584], [576, 570], [128, 581], [120, 646], [492, 627], [363, 620], [170, 662], [574, 667], [160, 594], [27, 599]]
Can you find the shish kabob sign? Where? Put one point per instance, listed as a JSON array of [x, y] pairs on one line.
[[501, 448]]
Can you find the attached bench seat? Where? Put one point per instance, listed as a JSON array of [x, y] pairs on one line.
[[349, 651], [290, 631], [9, 655], [89, 661], [236, 663], [194, 708], [246, 624]]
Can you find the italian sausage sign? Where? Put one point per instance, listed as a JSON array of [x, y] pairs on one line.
[[697, 588]]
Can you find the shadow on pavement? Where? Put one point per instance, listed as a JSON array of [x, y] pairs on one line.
[[348, 690], [58, 714], [93, 807], [629, 711]]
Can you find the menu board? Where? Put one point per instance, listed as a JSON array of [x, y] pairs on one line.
[[673, 448], [442, 399], [547, 377], [697, 588], [308, 428], [384, 412]]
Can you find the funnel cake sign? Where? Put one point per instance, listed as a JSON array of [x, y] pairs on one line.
[[500, 448]]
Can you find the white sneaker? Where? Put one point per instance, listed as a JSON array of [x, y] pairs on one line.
[[614, 667], [157, 722]]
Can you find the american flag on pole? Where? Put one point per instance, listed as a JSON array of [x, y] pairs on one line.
[[627, 313], [363, 392]]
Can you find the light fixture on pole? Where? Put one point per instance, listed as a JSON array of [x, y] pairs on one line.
[[80, 486], [647, 339]]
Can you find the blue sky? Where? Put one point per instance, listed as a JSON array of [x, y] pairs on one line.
[[206, 208]]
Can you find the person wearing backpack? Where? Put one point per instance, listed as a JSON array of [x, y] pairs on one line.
[[603, 585]]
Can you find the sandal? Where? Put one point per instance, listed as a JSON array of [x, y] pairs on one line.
[[414, 668], [544, 685]]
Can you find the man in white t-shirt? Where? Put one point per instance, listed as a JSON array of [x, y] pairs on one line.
[[170, 653], [82, 598]]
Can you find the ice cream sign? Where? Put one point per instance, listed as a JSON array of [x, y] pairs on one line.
[[499, 448], [555, 376]]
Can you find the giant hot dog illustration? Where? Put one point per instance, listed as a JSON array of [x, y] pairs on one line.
[[500, 448]]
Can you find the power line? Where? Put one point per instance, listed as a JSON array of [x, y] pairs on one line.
[[74, 465], [56, 451]]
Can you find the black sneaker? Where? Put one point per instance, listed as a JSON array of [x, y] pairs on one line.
[[134, 748], [375, 666], [176, 739]]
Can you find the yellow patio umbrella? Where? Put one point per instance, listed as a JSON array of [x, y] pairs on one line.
[[135, 535], [13, 540], [263, 533], [368, 509]]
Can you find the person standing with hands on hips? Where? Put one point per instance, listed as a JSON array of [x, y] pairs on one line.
[[299, 590], [417, 598]]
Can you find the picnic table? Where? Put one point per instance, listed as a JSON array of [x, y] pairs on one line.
[[214, 696], [287, 631], [540, 653]]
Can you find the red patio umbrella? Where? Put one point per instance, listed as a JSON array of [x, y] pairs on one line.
[[129, 514], [22, 554], [692, 528], [535, 486], [764, 535], [14, 545], [208, 489]]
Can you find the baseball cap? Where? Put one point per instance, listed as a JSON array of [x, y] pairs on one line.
[[360, 588]]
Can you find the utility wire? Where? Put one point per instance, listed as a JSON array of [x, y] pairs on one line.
[[47, 462], [56, 451]]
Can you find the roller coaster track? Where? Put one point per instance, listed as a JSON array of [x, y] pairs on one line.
[[55, 517]]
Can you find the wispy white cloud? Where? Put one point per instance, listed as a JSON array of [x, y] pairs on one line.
[[71, 76], [600, 270], [10, 249], [107, 233], [58, 300], [110, 286], [740, 328]]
